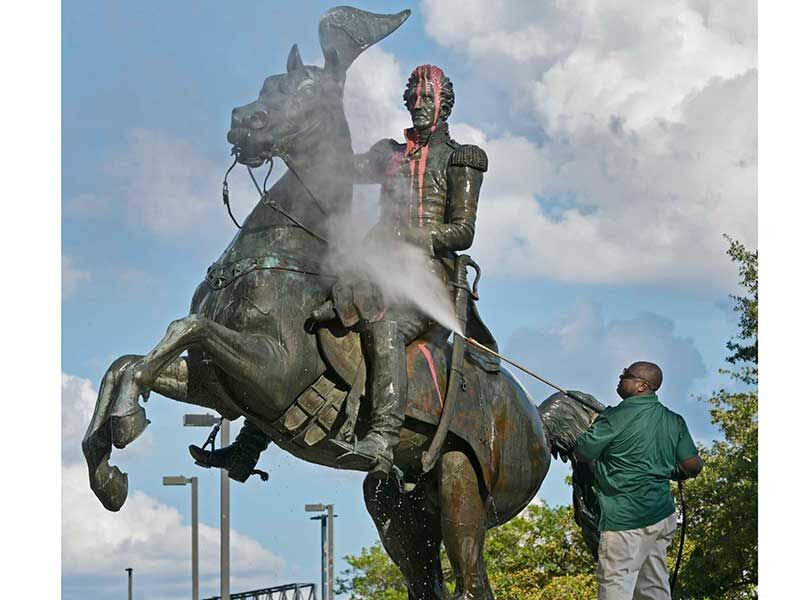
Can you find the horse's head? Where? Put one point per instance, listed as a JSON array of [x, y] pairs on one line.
[[293, 104]]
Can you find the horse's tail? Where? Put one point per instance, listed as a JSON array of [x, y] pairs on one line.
[[564, 420]]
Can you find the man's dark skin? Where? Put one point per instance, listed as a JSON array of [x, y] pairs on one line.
[[640, 379]]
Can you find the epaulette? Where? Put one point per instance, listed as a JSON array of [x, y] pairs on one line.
[[470, 156], [385, 146]]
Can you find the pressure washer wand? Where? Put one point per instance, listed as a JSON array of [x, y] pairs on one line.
[[575, 397]]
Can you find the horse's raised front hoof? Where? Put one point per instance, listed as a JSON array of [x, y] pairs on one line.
[[126, 428], [110, 485]]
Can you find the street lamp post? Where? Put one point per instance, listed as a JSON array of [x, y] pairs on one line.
[[180, 480], [209, 420], [327, 545], [130, 583], [323, 522]]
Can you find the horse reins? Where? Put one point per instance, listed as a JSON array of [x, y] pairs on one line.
[[264, 194]]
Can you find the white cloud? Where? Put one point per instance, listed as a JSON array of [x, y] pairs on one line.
[[583, 350], [169, 187], [77, 403], [373, 98], [648, 142], [146, 534], [71, 277], [173, 190]]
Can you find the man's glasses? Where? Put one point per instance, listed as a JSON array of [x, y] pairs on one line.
[[628, 375]]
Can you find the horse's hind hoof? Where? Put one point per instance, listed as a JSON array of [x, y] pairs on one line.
[[126, 428]]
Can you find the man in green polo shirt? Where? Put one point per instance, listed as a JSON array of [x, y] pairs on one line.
[[635, 448]]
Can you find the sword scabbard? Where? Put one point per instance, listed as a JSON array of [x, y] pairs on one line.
[[431, 455]]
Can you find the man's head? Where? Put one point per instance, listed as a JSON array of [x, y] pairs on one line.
[[429, 97], [638, 379]]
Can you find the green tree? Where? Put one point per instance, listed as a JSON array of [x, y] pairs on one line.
[[371, 576], [539, 555], [722, 541]]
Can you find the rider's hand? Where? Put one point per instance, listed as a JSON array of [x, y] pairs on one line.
[[419, 237]]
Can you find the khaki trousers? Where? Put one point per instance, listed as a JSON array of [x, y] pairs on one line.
[[632, 564]]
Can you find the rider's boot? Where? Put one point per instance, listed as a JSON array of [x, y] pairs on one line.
[[387, 387], [240, 458]]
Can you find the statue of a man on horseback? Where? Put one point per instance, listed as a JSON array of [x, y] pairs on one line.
[[274, 335], [429, 199]]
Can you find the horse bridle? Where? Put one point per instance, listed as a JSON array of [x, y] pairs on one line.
[[264, 194]]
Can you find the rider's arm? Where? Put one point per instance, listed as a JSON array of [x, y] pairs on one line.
[[464, 178], [370, 167]]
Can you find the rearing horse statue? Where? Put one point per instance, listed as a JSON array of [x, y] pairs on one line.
[[250, 352]]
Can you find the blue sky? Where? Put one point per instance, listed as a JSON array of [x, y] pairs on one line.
[[599, 230]]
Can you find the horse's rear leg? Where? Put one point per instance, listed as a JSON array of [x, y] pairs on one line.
[[409, 530], [463, 525], [242, 356]]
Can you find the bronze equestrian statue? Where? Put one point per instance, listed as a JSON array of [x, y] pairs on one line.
[[273, 337]]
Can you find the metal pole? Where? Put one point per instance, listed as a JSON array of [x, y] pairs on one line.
[[330, 551], [195, 566], [224, 521], [324, 546], [130, 583]]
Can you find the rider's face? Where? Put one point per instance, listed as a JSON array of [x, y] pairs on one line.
[[422, 112]]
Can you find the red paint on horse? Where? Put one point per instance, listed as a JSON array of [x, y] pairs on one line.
[[427, 354]]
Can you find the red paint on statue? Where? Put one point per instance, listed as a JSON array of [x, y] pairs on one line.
[[423, 160], [427, 354], [429, 81], [412, 166], [419, 71], [435, 75]]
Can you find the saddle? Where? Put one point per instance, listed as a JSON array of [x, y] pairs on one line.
[[332, 408], [341, 350]]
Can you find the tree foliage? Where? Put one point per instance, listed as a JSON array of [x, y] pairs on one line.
[[539, 555], [722, 545], [371, 576], [744, 346]]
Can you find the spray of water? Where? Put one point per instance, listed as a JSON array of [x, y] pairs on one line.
[[405, 274]]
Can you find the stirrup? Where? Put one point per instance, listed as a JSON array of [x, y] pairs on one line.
[[200, 456], [353, 459], [356, 460]]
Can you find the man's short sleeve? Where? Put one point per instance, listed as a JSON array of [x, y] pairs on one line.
[[685, 448], [591, 443]]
